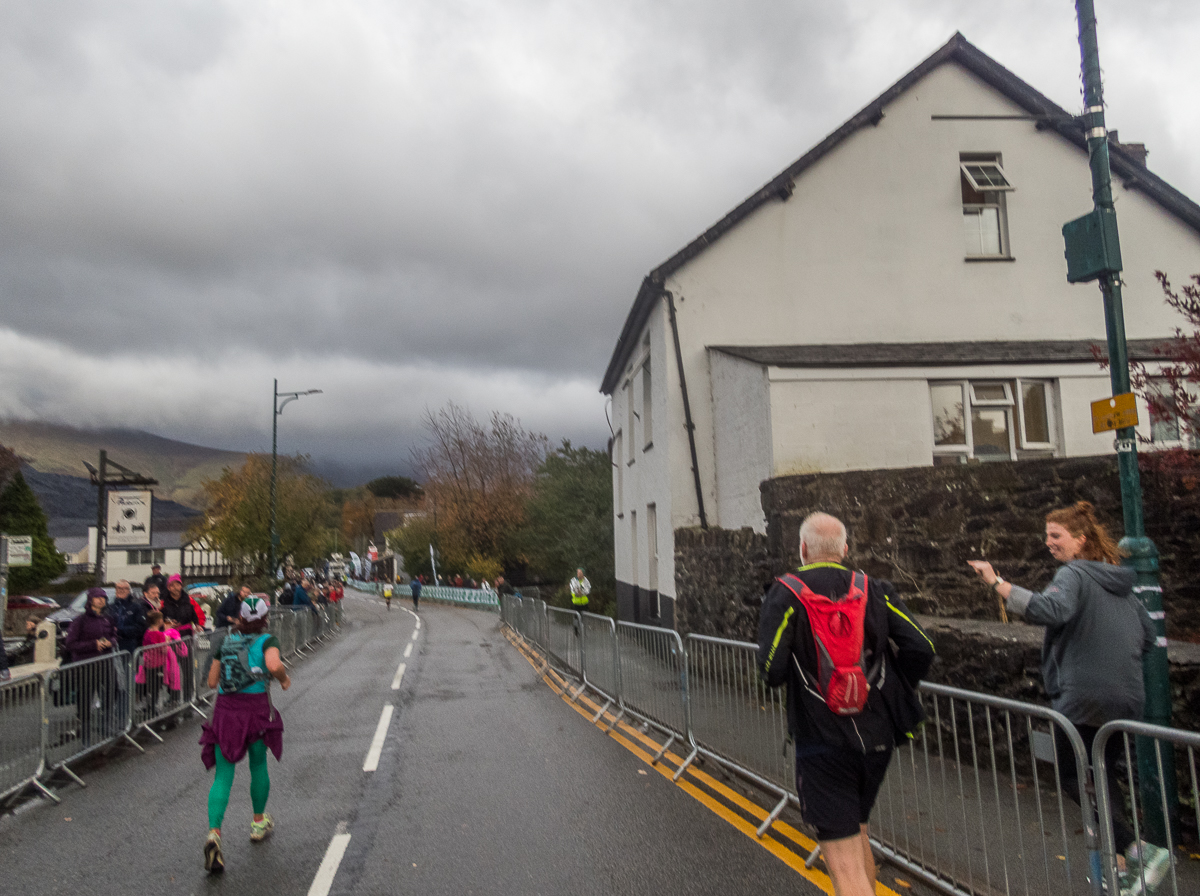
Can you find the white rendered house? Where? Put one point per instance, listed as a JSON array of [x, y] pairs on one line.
[[896, 297]]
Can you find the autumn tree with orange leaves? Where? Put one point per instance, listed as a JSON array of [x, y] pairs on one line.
[[477, 478], [237, 517]]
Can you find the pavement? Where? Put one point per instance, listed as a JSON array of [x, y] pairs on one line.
[[484, 780]]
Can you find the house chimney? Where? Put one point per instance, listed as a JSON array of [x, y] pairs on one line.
[[1137, 152]]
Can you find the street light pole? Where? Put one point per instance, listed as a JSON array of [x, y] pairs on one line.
[[276, 410], [1093, 250]]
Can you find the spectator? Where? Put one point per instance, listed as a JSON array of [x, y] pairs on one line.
[[1097, 632], [157, 579], [160, 665], [153, 597], [415, 585], [128, 614], [91, 635], [843, 745], [300, 596], [502, 587], [230, 610], [177, 608]]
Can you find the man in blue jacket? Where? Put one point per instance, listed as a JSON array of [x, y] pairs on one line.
[[842, 755], [128, 614]]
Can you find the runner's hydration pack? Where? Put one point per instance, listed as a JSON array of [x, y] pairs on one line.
[[837, 627], [237, 673]]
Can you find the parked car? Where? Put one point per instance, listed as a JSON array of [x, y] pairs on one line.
[[26, 602]]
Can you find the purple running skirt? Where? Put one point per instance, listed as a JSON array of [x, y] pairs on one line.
[[238, 720]]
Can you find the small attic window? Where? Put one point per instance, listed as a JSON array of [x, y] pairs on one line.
[[985, 177]]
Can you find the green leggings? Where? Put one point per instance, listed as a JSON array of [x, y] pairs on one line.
[[260, 783]]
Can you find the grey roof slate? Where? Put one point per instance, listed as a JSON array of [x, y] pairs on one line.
[[933, 354]]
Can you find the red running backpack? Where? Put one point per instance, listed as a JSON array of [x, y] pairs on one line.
[[837, 627]]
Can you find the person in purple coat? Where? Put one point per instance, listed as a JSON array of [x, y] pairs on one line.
[[94, 635]]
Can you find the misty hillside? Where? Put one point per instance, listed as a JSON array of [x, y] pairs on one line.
[[70, 502], [178, 466]]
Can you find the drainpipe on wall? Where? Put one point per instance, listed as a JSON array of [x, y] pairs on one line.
[[687, 408]]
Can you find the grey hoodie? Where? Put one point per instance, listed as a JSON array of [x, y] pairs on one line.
[[1096, 634]]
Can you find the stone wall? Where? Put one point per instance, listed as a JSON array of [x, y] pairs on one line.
[[719, 580], [917, 527]]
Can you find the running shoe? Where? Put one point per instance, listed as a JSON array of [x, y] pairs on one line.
[[214, 861], [260, 830], [1147, 870]]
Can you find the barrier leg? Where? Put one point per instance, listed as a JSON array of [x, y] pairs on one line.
[[770, 819]]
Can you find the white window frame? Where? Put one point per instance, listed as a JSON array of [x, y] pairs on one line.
[[992, 161], [1051, 408], [652, 549], [1015, 411], [647, 407], [1182, 441], [619, 464], [985, 163]]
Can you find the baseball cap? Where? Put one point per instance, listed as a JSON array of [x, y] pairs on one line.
[[254, 608]]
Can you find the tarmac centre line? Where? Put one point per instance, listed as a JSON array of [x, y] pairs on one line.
[[329, 864], [399, 675], [633, 740], [416, 631], [408, 650], [385, 719]]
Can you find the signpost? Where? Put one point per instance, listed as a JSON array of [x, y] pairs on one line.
[[112, 473], [1093, 250]]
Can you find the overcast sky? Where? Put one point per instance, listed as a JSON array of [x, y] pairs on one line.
[[404, 203]]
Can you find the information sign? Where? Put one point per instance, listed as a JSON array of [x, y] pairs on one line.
[[19, 549], [1117, 412], [129, 518]]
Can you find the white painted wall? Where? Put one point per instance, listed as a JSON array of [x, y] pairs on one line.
[[870, 249], [645, 475], [742, 401], [826, 423]]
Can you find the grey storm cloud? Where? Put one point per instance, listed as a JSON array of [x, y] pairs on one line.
[[408, 203]]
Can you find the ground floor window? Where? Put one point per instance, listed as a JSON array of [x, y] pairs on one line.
[[990, 420], [144, 558]]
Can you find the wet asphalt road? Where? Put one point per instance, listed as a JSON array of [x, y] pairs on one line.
[[487, 783]]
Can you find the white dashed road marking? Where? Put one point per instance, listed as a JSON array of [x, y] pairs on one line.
[[329, 865], [381, 730]]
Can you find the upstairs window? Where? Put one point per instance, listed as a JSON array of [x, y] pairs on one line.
[[989, 420], [985, 225], [647, 407], [1169, 432]]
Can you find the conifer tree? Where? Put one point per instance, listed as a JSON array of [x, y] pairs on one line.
[[20, 514]]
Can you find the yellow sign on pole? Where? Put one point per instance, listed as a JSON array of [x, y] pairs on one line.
[[1117, 412]]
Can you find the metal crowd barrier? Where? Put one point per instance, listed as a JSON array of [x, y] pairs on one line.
[[87, 708], [159, 683], [1116, 740], [22, 736], [563, 638], [978, 803], [50, 720], [736, 719]]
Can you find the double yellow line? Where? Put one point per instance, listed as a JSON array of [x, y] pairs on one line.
[[781, 840]]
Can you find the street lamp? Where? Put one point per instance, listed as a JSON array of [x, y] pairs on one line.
[[276, 409]]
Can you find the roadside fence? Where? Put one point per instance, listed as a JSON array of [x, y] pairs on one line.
[[53, 719], [1126, 744], [467, 597], [980, 802]]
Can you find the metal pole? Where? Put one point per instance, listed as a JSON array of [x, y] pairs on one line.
[[101, 516], [274, 548], [1139, 550], [3, 582]]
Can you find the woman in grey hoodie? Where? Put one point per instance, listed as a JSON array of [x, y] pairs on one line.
[[1096, 634]]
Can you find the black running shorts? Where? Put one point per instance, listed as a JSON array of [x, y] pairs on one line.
[[838, 788]]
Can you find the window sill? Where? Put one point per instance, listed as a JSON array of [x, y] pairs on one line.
[[972, 258], [620, 516], [647, 446], [630, 462]]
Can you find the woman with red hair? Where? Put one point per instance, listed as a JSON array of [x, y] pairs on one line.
[[1096, 634]]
